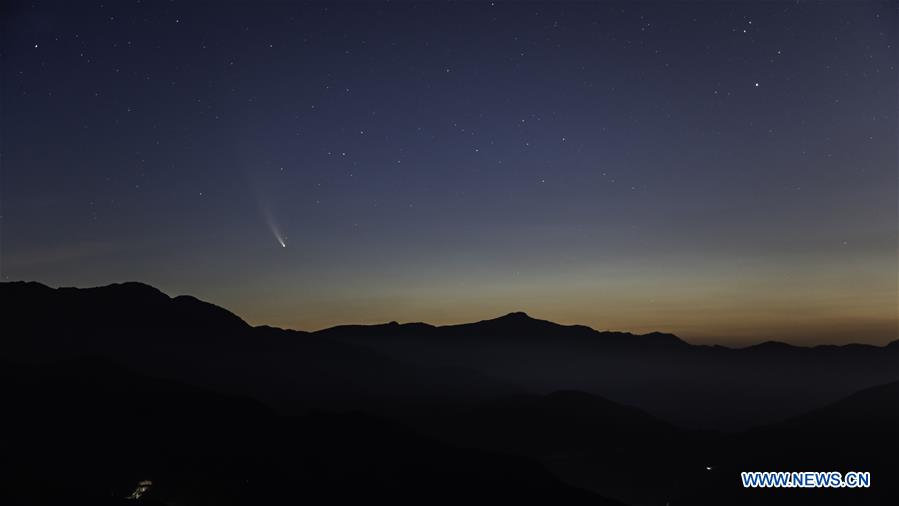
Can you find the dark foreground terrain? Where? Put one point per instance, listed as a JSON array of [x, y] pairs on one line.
[[109, 387], [88, 432]]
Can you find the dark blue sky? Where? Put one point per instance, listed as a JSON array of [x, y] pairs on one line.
[[723, 170]]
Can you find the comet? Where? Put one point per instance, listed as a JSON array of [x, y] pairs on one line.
[[270, 220], [273, 226], [268, 214], [279, 239]]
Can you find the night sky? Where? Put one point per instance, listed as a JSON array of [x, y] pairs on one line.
[[726, 171]]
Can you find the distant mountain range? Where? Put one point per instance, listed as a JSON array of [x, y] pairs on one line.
[[657, 372], [395, 364], [124, 382]]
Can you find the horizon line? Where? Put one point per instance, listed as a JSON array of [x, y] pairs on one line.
[[735, 346]]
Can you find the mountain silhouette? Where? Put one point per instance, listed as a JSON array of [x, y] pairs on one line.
[[857, 433], [118, 305], [564, 421], [877, 405], [393, 366], [185, 339], [588, 441], [658, 372], [113, 385], [855, 430], [517, 326]]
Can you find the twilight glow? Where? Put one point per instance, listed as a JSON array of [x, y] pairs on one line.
[[717, 170]]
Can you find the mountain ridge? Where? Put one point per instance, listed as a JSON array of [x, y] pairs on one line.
[[515, 320], [188, 339], [589, 409]]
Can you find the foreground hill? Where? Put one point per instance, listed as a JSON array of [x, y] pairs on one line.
[[590, 442], [629, 455], [857, 433], [88, 432]]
